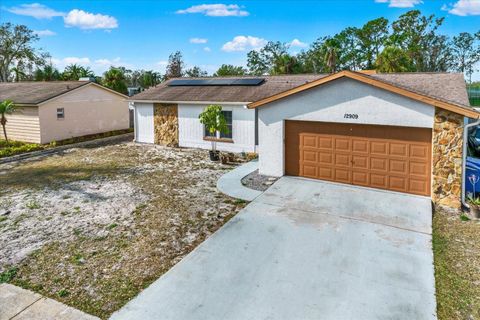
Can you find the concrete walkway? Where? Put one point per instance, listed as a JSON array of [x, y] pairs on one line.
[[305, 250], [20, 304], [231, 182]]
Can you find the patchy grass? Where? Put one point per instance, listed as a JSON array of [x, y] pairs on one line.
[[8, 275], [111, 220], [456, 249]]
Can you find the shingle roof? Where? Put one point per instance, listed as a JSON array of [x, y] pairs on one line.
[[272, 85], [449, 87], [35, 92]]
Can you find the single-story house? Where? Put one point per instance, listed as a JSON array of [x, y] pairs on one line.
[[401, 132], [58, 110]]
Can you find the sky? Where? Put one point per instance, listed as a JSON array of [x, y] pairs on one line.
[[142, 34]]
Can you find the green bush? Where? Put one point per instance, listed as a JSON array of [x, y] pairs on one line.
[[17, 147]]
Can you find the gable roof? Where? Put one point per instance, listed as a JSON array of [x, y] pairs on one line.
[[443, 90], [233, 93], [37, 92]]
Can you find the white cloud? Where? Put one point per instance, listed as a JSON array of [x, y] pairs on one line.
[[400, 3], [298, 43], [107, 62], [36, 10], [44, 33], [99, 66], [464, 8], [242, 43], [86, 20], [216, 10], [198, 40], [207, 49]]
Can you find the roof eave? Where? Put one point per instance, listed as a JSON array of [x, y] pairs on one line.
[[191, 102]]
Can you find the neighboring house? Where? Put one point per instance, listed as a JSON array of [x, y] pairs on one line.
[[400, 132], [58, 110]]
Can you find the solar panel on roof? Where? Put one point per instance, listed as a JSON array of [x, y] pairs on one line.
[[216, 82]]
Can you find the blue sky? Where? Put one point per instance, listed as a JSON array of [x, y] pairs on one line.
[[141, 34]]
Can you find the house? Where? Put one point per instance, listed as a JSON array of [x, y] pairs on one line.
[[58, 110], [168, 113], [399, 132]]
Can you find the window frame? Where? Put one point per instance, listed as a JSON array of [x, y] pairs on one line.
[[228, 135], [60, 113], [218, 136]]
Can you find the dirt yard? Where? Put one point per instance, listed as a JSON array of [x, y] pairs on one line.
[[456, 248], [92, 227]]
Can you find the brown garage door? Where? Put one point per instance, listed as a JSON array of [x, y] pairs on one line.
[[384, 157]]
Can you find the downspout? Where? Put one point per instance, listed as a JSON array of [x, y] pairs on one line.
[[464, 160]]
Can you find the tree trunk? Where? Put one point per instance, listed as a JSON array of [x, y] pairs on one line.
[[3, 122]]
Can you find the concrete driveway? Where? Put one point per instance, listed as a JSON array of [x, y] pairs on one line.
[[305, 250]]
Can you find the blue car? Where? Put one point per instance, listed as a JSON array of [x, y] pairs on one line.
[[472, 175]]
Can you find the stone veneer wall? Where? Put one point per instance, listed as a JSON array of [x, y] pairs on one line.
[[165, 122], [447, 158]]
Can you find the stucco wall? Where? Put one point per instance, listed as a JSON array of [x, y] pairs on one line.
[[23, 125], [191, 131], [447, 158], [330, 103], [88, 110]]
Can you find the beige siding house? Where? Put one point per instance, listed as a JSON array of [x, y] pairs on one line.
[[54, 111]]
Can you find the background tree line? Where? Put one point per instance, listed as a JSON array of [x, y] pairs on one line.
[[412, 43]]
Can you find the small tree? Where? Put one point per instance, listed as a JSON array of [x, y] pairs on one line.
[[214, 122], [6, 107]]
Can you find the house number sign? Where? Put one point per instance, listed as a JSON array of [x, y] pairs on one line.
[[350, 116]]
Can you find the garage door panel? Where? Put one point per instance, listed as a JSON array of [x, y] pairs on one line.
[[342, 160], [310, 156], [398, 166], [359, 162], [325, 173], [325, 159], [342, 175], [325, 142], [378, 181], [360, 178], [397, 183], [418, 168], [392, 158], [379, 164], [419, 151], [398, 149], [309, 171], [418, 186], [360, 146], [309, 141], [342, 144], [379, 148]]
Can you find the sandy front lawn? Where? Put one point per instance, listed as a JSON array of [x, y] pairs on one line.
[[93, 227]]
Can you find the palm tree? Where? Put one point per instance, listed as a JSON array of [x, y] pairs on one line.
[[48, 73], [115, 79], [394, 59], [6, 107], [331, 59], [19, 73], [75, 72]]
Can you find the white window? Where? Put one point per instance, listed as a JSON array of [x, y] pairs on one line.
[[229, 120], [60, 113]]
